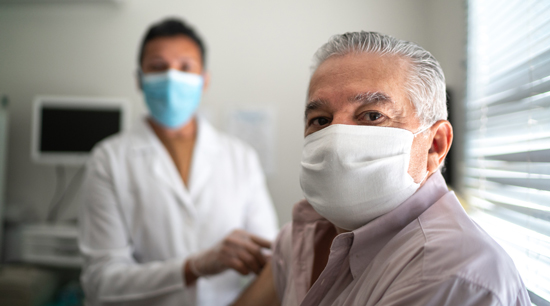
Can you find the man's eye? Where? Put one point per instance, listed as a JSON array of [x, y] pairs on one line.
[[189, 66], [373, 116], [320, 121], [156, 67], [185, 67]]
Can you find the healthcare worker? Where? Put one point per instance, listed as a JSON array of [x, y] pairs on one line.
[[173, 211]]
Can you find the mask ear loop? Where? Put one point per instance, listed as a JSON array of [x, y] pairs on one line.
[[425, 176], [422, 131]]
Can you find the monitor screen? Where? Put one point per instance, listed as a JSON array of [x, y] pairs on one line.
[[76, 130], [65, 129]]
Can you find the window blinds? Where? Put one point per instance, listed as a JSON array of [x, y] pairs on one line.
[[507, 149]]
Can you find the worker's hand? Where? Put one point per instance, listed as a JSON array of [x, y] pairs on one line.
[[239, 251]]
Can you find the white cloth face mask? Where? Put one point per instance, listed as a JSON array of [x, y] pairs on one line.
[[352, 174]]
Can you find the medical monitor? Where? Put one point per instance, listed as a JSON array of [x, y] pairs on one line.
[[65, 129]]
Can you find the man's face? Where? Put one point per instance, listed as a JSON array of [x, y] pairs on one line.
[[366, 89], [174, 52]]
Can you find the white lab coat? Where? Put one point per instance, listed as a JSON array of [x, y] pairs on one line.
[[138, 221]]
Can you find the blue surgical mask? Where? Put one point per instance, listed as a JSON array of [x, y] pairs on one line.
[[172, 96]]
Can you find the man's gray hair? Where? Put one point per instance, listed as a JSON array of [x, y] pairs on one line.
[[426, 81]]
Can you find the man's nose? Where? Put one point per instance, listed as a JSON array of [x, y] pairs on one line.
[[175, 66]]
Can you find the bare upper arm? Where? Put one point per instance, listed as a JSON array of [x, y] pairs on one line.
[[261, 292]]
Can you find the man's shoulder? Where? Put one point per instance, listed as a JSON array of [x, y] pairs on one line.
[[298, 234], [449, 231], [456, 247], [283, 243], [118, 144], [229, 144], [281, 258], [302, 213], [235, 154]]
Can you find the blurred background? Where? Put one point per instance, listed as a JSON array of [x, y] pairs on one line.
[[259, 55]]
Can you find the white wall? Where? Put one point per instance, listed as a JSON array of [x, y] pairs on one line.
[[259, 54], [448, 45]]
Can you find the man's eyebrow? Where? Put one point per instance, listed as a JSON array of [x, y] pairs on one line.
[[313, 105], [376, 97], [371, 97]]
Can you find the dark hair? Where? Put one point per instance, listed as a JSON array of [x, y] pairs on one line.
[[172, 27]]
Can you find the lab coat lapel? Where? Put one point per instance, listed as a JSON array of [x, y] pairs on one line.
[[163, 168], [206, 148]]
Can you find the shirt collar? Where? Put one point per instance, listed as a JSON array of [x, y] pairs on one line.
[[303, 213], [144, 141], [372, 237], [144, 138]]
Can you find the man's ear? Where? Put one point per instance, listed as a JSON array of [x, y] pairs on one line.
[[206, 78], [441, 143]]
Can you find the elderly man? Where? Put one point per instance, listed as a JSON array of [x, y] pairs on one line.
[[379, 226]]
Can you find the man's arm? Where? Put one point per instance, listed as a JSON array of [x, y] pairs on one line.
[[261, 291]]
